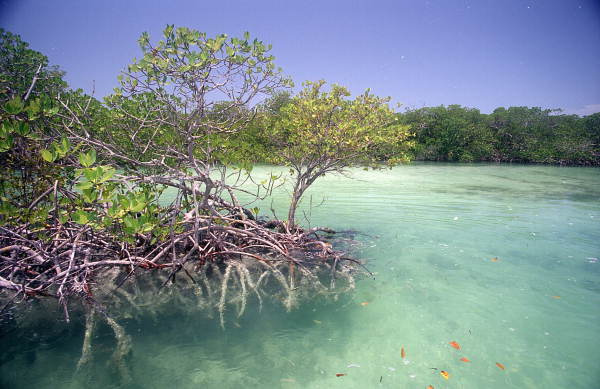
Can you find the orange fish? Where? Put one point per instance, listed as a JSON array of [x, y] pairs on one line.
[[501, 366], [340, 374], [364, 303], [495, 259], [465, 359], [556, 297], [445, 374], [430, 387], [402, 353], [455, 345]]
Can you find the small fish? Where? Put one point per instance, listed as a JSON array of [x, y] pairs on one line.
[[495, 259], [464, 359], [556, 297], [445, 374], [364, 303], [340, 374], [380, 379], [402, 353], [288, 380], [430, 387], [455, 345], [317, 322], [501, 366]]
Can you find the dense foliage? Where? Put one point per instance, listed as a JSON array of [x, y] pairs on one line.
[[516, 134], [320, 132]]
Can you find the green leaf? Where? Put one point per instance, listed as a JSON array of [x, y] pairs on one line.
[[131, 223], [33, 109], [14, 106], [63, 217], [22, 128], [90, 195], [84, 185], [5, 129], [107, 174], [88, 159], [63, 147], [51, 111], [80, 217], [48, 156], [137, 206], [6, 144], [90, 174]]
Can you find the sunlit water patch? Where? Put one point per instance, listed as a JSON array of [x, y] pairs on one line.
[[502, 260]]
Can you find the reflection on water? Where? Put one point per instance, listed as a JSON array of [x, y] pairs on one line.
[[429, 233]]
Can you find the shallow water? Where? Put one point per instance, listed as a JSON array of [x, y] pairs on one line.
[[429, 233]]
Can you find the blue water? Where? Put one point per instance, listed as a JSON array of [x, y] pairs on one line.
[[429, 233]]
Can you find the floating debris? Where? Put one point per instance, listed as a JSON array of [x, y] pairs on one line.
[[317, 322], [391, 369], [352, 365], [288, 380]]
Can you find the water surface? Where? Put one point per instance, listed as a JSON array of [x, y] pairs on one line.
[[429, 232]]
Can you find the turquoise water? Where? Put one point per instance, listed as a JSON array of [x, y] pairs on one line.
[[429, 233]]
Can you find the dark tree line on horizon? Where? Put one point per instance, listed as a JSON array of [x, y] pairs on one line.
[[455, 133], [514, 134]]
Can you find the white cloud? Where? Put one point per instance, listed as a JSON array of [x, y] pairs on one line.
[[584, 111]]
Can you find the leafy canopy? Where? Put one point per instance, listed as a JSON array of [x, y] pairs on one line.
[[322, 131]]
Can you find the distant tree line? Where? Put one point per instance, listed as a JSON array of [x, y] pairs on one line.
[[460, 134], [515, 134]]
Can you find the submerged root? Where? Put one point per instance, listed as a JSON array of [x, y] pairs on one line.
[[122, 350], [224, 295], [86, 349], [244, 293], [254, 286]]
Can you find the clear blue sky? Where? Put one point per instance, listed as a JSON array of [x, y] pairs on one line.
[[477, 53]]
